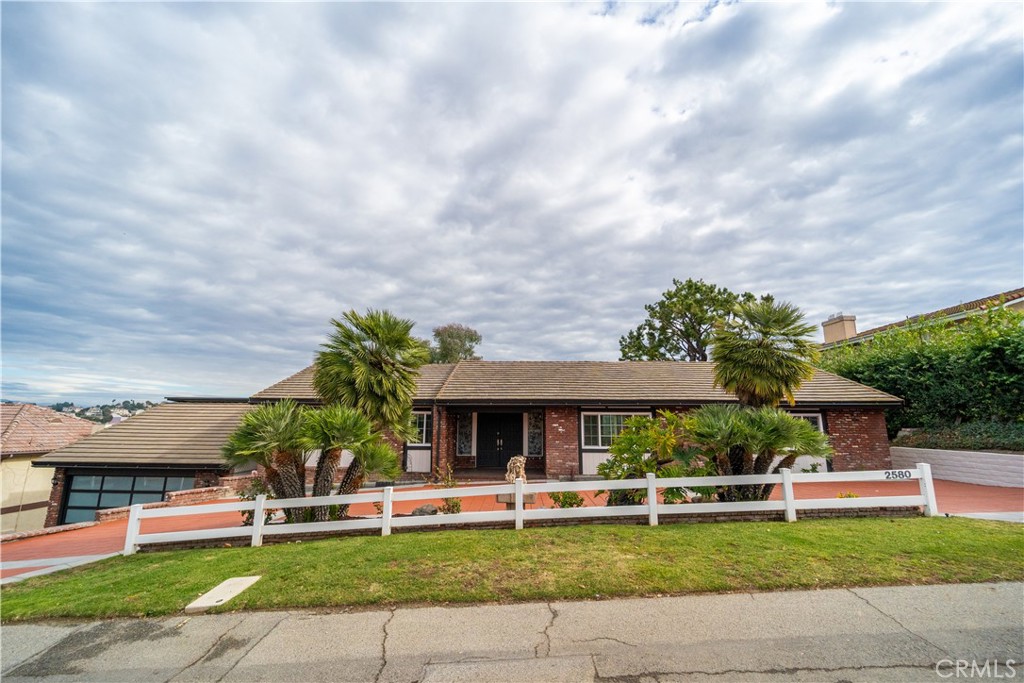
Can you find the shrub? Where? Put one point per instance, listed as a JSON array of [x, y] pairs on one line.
[[947, 373], [445, 478], [649, 445], [969, 436], [256, 486], [566, 499]]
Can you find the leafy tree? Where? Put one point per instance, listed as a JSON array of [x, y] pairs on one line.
[[271, 436], [947, 373], [763, 353], [680, 326], [370, 363], [454, 342]]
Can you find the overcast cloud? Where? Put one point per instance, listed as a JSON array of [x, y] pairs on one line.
[[191, 191]]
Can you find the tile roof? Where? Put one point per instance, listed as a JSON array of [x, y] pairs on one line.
[[977, 304], [28, 428], [589, 383], [188, 433], [300, 385]]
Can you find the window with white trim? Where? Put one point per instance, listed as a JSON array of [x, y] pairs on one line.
[[600, 429], [813, 418], [424, 429]]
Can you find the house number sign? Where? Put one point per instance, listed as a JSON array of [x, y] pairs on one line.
[[898, 474]]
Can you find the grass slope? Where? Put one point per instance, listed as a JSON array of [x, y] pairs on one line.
[[537, 564]]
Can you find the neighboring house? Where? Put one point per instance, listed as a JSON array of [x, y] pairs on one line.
[[472, 415], [29, 432], [843, 328], [171, 447]]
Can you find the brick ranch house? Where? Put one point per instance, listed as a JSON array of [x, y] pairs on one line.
[[472, 415]]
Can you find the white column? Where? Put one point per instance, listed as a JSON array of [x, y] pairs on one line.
[[258, 515], [931, 506], [132, 532], [519, 502], [787, 493], [385, 516], [652, 500]]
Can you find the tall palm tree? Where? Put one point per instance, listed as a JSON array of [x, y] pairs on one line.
[[763, 353], [331, 430], [370, 363], [270, 436]]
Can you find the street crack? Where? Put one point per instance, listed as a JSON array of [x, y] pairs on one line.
[[384, 647], [547, 636]]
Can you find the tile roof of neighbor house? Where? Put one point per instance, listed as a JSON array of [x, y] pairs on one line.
[[951, 311], [588, 383], [169, 434], [28, 429]]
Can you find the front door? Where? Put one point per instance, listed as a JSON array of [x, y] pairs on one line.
[[499, 436]]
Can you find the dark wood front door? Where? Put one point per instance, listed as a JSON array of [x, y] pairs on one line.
[[499, 436]]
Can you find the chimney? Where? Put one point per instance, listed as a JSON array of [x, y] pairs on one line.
[[839, 328]]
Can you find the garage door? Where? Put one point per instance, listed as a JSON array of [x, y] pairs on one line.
[[87, 493]]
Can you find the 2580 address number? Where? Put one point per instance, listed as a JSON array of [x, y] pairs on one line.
[[898, 474]]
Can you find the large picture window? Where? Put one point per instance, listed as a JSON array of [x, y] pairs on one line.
[[600, 429], [424, 429]]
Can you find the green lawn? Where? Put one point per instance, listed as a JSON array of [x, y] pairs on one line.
[[537, 564]]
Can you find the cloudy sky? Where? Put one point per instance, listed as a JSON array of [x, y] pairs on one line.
[[191, 191]]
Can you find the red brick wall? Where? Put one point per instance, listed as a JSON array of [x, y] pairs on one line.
[[443, 453], [206, 479], [859, 438], [56, 496], [561, 441]]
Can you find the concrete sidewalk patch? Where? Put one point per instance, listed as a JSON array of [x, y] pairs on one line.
[[220, 594]]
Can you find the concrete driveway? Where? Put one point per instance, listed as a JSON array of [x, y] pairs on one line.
[[872, 634]]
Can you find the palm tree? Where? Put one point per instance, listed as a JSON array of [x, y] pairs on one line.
[[270, 436], [370, 363], [741, 440], [331, 430], [763, 354], [373, 456]]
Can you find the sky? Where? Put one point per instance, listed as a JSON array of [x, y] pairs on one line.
[[190, 192]]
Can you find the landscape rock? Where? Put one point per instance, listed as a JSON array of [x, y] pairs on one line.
[[424, 510]]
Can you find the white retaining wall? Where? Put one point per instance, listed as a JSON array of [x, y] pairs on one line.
[[971, 467]]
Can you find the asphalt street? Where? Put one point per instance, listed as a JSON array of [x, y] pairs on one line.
[[916, 633]]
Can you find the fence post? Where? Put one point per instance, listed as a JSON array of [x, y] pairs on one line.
[[931, 506], [385, 515], [652, 500], [258, 516], [132, 532], [519, 502], [787, 493]]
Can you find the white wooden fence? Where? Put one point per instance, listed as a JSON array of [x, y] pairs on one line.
[[386, 521]]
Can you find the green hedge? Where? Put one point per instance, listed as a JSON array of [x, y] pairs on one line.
[[971, 436], [947, 373]]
